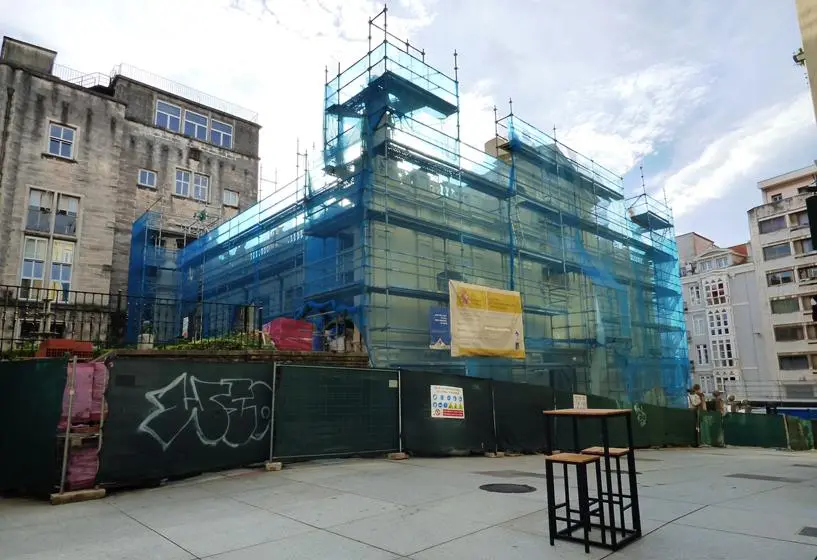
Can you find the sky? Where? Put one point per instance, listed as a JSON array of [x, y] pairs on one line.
[[703, 95]]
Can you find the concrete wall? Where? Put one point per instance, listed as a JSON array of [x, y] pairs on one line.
[[752, 342], [690, 245], [20, 54], [92, 174]]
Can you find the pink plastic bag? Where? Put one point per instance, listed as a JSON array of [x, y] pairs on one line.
[[100, 384], [83, 464], [90, 383], [81, 407]]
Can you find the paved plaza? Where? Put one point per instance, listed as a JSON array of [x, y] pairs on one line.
[[708, 503]]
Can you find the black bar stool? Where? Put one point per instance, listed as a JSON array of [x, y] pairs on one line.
[[583, 521], [622, 500]]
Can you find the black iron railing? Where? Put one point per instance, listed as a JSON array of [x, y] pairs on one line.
[[30, 315]]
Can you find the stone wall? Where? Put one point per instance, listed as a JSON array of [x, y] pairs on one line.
[[92, 174], [115, 138], [163, 151]]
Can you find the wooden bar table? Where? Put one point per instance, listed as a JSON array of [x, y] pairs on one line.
[[603, 415]]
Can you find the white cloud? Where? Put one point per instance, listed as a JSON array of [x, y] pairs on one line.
[[477, 114], [631, 114], [736, 158]]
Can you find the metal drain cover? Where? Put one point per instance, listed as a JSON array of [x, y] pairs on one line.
[[808, 532], [508, 488]]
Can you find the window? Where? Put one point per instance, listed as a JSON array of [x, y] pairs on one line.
[[787, 305], [724, 380], [807, 302], [230, 198], [61, 140], [698, 325], [793, 363], [201, 187], [707, 383], [39, 211], [788, 333], [221, 134], [772, 224], [776, 251], [168, 116], [807, 273], [721, 262], [706, 266], [799, 391], [694, 291], [703, 354], [65, 221], [62, 259], [811, 332], [722, 353], [803, 246], [715, 291], [146, 178], [33, 273], [802, 190], [799, 219], [780, 277], [195, 125], [718, 322], [777, 197], [182, 183]]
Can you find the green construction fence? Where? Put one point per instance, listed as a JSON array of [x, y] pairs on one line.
[[656, 426]]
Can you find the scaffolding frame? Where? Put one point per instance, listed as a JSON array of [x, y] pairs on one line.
[[399, 205]]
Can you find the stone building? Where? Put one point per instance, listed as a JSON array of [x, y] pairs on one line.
[[84, 155]]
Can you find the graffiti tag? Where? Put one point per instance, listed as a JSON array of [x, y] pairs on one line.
[[232, 412], [640, 415]]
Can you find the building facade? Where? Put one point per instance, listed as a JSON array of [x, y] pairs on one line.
[[727, 349], [786, 276], [397, 207], [83, 155]]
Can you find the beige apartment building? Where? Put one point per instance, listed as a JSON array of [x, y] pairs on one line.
[[786, 269], [81, 157]]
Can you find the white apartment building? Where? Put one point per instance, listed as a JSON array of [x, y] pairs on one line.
[[786, 271], [722, 315]]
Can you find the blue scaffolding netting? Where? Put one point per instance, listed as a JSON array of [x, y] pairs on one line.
[[399, 205]]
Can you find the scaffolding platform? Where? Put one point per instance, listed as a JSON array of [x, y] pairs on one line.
[[398, 205]]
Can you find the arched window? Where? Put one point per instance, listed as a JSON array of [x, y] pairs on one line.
[[715, 291]]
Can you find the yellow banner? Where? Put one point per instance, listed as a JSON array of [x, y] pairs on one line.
[[485, 321]]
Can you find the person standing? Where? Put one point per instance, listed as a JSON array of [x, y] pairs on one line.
[[720, 404], [697, 403]]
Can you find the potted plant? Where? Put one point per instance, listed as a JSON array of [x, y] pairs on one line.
[[146, 336]]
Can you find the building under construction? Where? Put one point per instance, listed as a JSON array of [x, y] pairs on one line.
[[398, 206]]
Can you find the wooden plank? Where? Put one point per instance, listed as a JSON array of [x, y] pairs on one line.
[[77, 496]]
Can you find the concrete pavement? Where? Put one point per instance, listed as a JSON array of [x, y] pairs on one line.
[[709, 503]]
